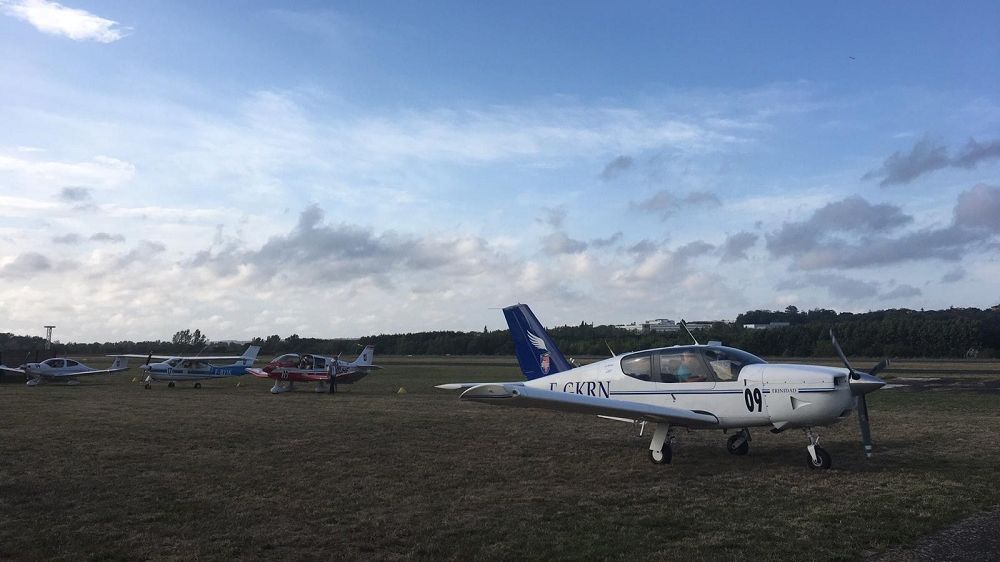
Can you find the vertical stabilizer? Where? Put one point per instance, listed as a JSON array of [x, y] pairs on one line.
[[536, 352], [366, 357], [250, 355]]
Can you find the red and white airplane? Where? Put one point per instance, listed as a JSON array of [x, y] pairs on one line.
[[326, 372]]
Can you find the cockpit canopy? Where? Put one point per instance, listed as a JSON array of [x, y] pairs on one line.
[[59, 363], [688, 364], [286, 360]]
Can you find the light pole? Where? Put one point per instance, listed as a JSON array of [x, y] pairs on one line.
[[48, 336]]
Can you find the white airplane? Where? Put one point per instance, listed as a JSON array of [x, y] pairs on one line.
[[173, 368], [694, 386], [61, 369]]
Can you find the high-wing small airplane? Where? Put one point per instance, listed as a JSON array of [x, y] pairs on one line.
[[64, 370], [693, 386], [326, 372], [192, 369]]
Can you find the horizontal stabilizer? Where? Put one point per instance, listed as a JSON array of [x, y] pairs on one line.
[[259, 373]]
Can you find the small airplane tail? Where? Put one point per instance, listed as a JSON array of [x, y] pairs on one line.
[[365, 358], [120, 363], [250, 355], [536, 353]]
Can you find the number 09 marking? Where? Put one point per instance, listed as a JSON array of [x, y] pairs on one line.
[[753, 399]]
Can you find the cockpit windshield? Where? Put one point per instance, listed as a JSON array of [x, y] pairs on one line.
[[727, 362]]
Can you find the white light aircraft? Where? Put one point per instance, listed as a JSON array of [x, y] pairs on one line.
[[694, 386], [63, 370], [198, 368]]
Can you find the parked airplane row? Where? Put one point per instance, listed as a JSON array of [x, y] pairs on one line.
[[286, 370], [693, 386]]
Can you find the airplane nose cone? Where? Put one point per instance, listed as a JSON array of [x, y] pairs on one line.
[[865, 383]]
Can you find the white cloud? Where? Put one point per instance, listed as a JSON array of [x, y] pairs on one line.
[[55, 19], [100, 171]]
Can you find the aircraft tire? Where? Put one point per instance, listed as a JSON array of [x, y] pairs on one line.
[[742, 449], [823, 459], [666, 454], [147, 386], [197, 385], [170, 384]]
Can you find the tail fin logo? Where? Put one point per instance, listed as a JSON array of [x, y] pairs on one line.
[[536, 341], [543, 361]]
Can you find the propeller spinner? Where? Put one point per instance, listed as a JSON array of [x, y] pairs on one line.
[[861, 384]]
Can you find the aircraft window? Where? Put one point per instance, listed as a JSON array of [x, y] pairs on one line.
[[637, 366], [71, 363], [288, 357], [55, 363], [727, 362], [320, 363], [679, 365], [173, 362]]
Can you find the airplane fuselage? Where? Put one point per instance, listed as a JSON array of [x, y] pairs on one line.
[[762, 394], [164, 372]]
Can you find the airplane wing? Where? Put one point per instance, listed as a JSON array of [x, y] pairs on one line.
[[468, 385], [315, 376], [182, 357], [11, 369], [81, 373], [518, 395]]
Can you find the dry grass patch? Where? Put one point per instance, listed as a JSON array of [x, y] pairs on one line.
[[109, 470]]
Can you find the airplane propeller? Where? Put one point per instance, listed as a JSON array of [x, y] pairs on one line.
[[861, 384]]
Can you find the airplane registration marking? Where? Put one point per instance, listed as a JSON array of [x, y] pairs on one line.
[[585, 388]]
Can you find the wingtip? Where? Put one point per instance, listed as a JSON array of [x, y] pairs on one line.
[[449, 386]]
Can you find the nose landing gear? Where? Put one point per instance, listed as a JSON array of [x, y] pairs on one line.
[[739, 444], [818, 457]]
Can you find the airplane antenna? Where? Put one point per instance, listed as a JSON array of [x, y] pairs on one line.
[[613, 354], [202, 350], [685, 326]]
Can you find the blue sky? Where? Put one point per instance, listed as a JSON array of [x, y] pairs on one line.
[[339, 169]]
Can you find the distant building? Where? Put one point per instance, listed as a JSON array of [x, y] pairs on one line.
[[703, 324], [660, 325], [767, 326], [632, 327]]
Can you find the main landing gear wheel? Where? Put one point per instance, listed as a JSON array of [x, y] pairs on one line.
[[740, 449], [197, 385], [662, 456], [170, 384], [823, 459], [147, 386]]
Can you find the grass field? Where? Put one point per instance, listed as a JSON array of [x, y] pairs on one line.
[[108, 470]]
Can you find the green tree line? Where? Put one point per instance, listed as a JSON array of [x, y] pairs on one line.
[[951, 333]]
